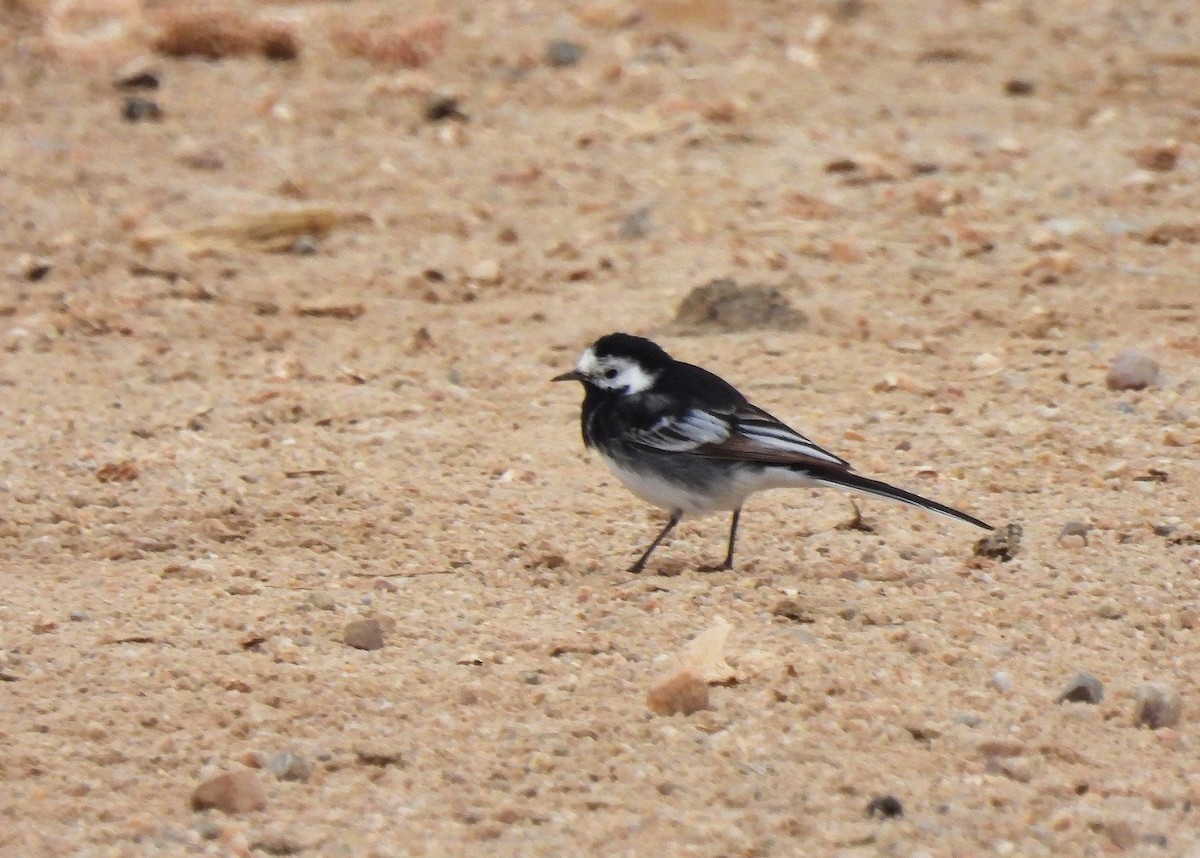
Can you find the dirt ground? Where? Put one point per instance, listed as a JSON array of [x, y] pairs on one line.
[[220, 450]]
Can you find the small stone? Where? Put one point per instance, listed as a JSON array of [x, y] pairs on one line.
[[364, 634], [136, 76], [886, 806], [639, 223], [1121, 833], [1110, 609], [290, 766], [681, 693], [486, 271], [1072, 541], [380, 756], [1018, 86], [1002, 544], [1132, 370], [1075, 528], [1159, 157], [231, 792], [1001, 681], [1157, 706], [443, 107], [1084, 688], [322, 600], [304, 245], [790, 609], [723, 305], [139, 109], [561, 53], [986, 362]]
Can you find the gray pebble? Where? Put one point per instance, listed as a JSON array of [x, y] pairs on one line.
[[561, 53], [290, 766], [1132, 370], [1157, 706], [364, 634], [1075, 528], [1084, 688]]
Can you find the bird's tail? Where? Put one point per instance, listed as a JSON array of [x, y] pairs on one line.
[[850, 481]]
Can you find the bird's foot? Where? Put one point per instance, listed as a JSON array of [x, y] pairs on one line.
[[727, 566]]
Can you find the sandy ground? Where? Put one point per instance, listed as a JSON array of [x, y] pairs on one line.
[[215, 456]]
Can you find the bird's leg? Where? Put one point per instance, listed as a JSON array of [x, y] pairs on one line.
[[641, 564], [728, 564]]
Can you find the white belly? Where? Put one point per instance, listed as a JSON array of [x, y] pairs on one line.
[[720, 496]]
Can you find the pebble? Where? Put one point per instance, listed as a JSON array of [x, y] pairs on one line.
[[1157, 706], [322, 600], [561, 53], [1132, 370], [364, 634], [290, 766], [231, 792], [1001, 681], [790, 609], [1084, 688], [139, 109], [681, 693], [887, 806], [986, 362]]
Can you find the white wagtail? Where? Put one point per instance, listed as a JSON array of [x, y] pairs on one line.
[[687, 441]]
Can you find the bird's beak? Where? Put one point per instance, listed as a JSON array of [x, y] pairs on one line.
[[573, 375]]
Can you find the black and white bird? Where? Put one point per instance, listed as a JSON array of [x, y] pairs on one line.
[[690, 443]]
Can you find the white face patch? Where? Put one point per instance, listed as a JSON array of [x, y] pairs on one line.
[[615, 373]]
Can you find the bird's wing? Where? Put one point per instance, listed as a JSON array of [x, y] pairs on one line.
[[741, 432]]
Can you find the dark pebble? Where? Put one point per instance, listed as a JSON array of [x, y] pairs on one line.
[[138, 109], [1084, 688], [887, 806], [1019, 86], [1002, 544], [138, 80], [443, 107], [561, 53]]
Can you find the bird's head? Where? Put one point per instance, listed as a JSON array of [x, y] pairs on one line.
[[619, 364]]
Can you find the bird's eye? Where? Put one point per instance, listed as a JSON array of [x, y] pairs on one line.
[[610, 373]]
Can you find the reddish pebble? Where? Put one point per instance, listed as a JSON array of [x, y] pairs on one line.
[[1132, 370], [684, 692], [232, 792]]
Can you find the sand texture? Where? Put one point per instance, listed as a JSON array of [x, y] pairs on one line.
[[301, 553]]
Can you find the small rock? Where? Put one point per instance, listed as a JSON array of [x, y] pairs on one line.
[[380, 756], [364, 634], [723, 305], [1075, 528], [1084, 688], [790, 609], [1001, 681], [683, 692], [485, 271], [886, 806], [290, 766], [1132, 370], [986, 362], [322, 600], [231, 792], [443, 107], [304, 245], [1002, 544], [1110, 609], [639, 223], [1159, 157], [1019, 86], [138, 109], [561, 53], [136, 77], [1072, 541], [1157, 706], [1121, 833]]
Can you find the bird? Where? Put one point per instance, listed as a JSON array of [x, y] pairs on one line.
[[685, 440]]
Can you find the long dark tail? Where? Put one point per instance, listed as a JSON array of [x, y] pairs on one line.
[[853, 482]]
